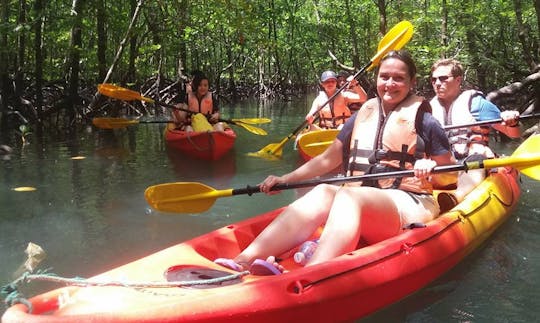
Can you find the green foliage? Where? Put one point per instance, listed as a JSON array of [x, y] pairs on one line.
[[274, 41]]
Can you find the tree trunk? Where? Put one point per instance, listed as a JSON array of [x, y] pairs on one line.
[[119, 51], [153, 22], [38, 56], [74, 58], [381, 5], [353, 32], [476, 65], [444, 28], [537, 10], [131, 77], [275, 41], [21, 48], [4, 73], [232, 84], [183, 10], [522, 35], [101, 38]]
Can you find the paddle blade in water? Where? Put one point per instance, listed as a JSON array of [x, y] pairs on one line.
[[270, 152]]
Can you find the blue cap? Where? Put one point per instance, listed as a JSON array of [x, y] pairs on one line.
[[327, 75]]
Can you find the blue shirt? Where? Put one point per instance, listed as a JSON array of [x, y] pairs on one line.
[[482, 109]]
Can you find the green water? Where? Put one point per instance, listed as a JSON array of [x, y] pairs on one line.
[[90, 214]]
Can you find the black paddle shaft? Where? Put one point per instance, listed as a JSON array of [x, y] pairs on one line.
[[345, 179], [170, 106], [488, 122]]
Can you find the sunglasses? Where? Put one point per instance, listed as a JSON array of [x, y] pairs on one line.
[[441, 79]]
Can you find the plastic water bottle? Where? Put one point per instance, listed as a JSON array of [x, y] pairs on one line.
[[305, 252]]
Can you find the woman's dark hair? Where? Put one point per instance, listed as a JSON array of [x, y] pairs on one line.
[[197, 79], [403, 56]]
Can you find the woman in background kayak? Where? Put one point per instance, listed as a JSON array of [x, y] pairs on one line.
[[334, 114], [198, 100]]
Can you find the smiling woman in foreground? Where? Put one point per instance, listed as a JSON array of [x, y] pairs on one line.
[[394, 131]]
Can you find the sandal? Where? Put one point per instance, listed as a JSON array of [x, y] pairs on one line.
[[229, 263], [261, 267]]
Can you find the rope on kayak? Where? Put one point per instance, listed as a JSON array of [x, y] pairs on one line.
[[12, 295], [77, 281]]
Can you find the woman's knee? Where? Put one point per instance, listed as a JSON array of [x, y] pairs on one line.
[[325, 190], [317, 196]]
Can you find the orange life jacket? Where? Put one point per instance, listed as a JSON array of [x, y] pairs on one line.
[[460, 113], [205, 105], [334, 113], [381, 144]]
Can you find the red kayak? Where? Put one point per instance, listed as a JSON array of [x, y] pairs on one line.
[[208, 145], [345, 288]]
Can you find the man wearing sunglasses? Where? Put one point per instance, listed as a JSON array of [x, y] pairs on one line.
[[452, 106]]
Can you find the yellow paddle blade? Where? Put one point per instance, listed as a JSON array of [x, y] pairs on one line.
[[270, 151], [526, 159], [253, 120], [252, 129], [188, 197], [314, 143], [395, 39], [531, 148], [120, 93], [396, 32], [113, 123]]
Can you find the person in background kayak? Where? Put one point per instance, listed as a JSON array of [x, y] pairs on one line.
[[381, 137], [452, 106], [199, 100], [334, 114], [343, 77]]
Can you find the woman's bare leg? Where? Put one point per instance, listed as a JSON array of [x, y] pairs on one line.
[[355, 210], [295, 225], [468, 181]]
